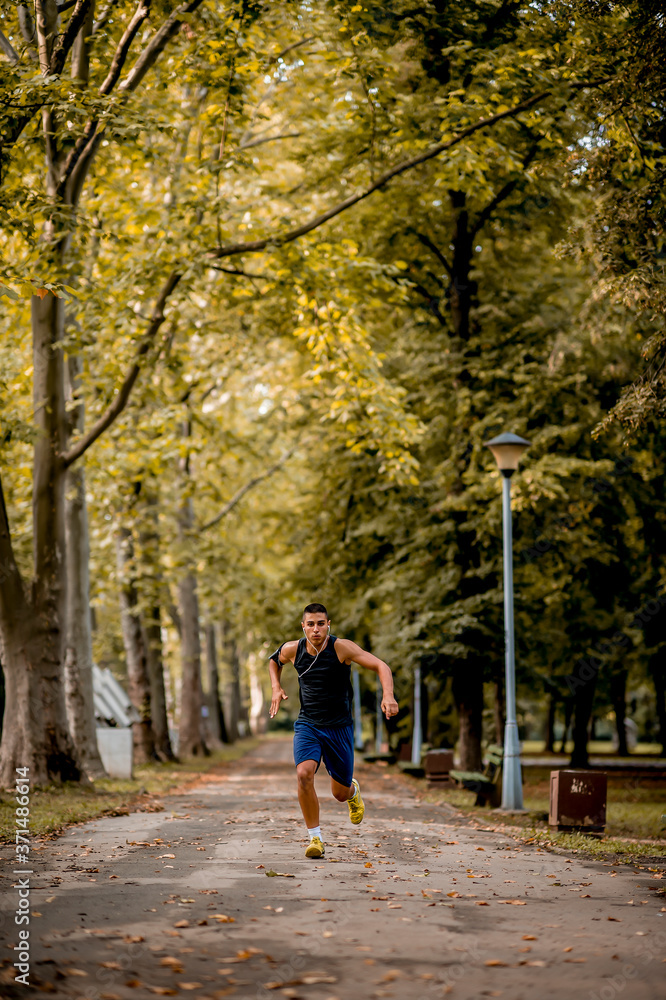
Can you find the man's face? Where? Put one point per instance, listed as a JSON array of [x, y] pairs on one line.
[[316, 626]]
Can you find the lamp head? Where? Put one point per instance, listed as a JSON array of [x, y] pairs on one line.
[[507, 449]]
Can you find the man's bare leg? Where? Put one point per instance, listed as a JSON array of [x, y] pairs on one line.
[[307, 796], [341, 792]]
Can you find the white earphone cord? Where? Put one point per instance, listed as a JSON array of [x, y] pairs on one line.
[[320, 651]]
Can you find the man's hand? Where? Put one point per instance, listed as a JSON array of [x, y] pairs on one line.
[[389, 706], [278, 696]]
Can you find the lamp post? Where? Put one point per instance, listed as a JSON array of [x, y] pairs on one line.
[[417, 732], [507, 449]]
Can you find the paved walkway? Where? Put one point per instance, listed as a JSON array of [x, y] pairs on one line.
[[414, 903]]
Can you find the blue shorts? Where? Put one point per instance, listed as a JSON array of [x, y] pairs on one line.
[[334, 743]]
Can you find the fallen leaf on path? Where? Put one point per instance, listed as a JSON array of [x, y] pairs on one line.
[[513, 902], [575, 960], [368, 864], [311, 979], [450, 843], [111, 965], [182, 923], [616, 919], [570, 948], [395, 906], [75, 972], [482, 902], [327, 934], [271, 874], [494, 961], [586, 895], [165, 856], [455, 895], [222, 918], [530, 937], [392, 974], [260, 866], [480, 848], [190, 986], [539, 963], [133, 938], [163, 991], [171, 960]]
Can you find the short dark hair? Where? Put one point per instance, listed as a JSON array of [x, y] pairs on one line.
[[313, 609]]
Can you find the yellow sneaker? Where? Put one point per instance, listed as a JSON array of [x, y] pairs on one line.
[[356, 807], [315, 848]]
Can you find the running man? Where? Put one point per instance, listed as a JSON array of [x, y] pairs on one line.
[[324, 727]]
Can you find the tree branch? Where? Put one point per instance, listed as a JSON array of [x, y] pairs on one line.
[[279, 240], [67, 39], [269, 138], [289, 48], [156, 45], [8, 49], [120, 401], [502, 194], [124, 45], [427, 242], [239, 494]]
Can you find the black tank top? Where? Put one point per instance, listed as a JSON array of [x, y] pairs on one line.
[[325, 689]]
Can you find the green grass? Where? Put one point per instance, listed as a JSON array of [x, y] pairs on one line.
[[634, 810], [56, 806], [595, 747]]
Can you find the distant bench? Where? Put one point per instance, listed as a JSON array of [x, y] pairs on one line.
[[485, 784]]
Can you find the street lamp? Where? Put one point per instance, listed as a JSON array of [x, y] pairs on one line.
[[507, 449]]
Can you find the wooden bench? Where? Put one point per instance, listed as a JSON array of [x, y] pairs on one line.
[[487, 783]]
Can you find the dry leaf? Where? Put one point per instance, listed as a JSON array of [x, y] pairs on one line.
[[368, 864], [616, 919], [455, 895], [395, 906], [530, 937], [165, 856], [222, 918], [482, 902], [513, 902], [75, 972], [575, 960], [190, 986], [170, 960], [392, 974], [133, 938], [586, 896], [494, 961], [570, 948], [110, 965], [272, 874], [182, 923], [163, 991]]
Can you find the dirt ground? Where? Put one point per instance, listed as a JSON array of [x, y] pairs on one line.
[[417, 902]]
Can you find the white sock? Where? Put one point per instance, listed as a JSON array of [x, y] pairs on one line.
[[314, 832]]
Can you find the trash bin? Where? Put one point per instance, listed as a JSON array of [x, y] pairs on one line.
[[438, 763], [578, 800]]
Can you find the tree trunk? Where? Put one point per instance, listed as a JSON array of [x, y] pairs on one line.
[[152, 640], [568, 716], [78, 650], [190, 737], [258, 718], [618, 693], [468, 696], [582, 684], [34, 643], [462, 289], [215, 712], [135, 650], [550, 724], [234, 691], [658, 671], [498, 708]]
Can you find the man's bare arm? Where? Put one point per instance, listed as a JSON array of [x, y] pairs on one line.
[[354, 653], [279, 695]]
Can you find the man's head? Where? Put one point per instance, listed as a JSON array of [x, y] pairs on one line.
[[316, 624]]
